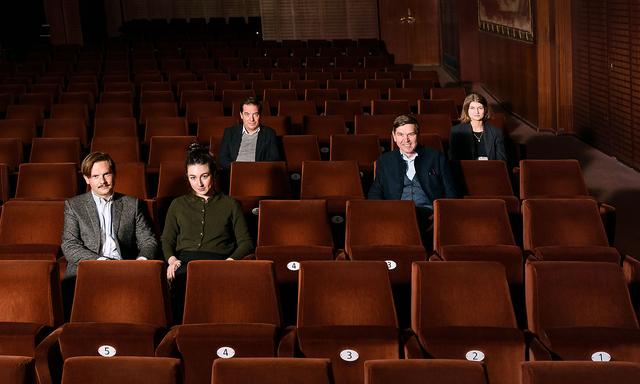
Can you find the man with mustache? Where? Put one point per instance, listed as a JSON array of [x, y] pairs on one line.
[[102, 224]]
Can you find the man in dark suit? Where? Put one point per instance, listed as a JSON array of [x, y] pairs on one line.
[[101, 224], [248, 141], [413, 172]]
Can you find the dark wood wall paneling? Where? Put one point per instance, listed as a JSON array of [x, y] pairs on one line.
[[417, 43], [607, 76], [509, 70]]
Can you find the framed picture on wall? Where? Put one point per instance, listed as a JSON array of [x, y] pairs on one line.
[[509, 18]]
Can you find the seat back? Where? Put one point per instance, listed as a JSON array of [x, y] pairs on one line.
[[457, 94], [165, 126], [268, 370], [55, 150], [31, 222], [45, 181], [563, 294], [551, 178], [417, 371], [30, 292], [168, 148], [11, 152], [381, 222], [568, 222], [66, 128], [121, 149], [365, 149], [122, 370], [489, 177], [578, 372], [260, 179], [338, 293], [131, 179], [390, 107], [293, 222], [299, 148], [137, 293], [225, 292], [471, 222], [322, 179], [460, 294], [23, 129], [115, 127]]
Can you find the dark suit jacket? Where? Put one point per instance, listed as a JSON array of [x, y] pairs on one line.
[[81, 238], [432, 171], [461, 143], [266, 147]]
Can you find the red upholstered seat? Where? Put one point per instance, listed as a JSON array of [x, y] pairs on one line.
[[417, 371], [271, 371], [220, 321], [122, 370], [578, 372]]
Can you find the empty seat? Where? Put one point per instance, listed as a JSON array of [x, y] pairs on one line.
[[439, 106], [34, 113], [390, 107], [319, 96], [423, 84], [488, 180], [565, 229], [121, 149], [462, 310], [116, 97], [382, 84], [45, 181], [423, 371], [44, 100], [156, 96], [333, 181], [192, 95], [386, 231], [342, 86], [348, 109], [578, 372], [122, 370], [124, 320], [439, 124], [55, 150], [271, 371], [365, 149], [313, 241], [338, 320], [575, 317], [31, 229], [476, 230], [17, 370], [214, 127], [203, 109], [365, 96], [30, 306], [11, 153], [151, 110], [167, 148], [274, 96], [81, 98], [219, 321], [296, 110], [411, 95], [131, 179], [115, 127], [114, 110], [165, 126], [299, 148], [23, 129], [252, 182], [301, 86], [230, 97], [380, 125], [457, 94], [66, 128], [323, 127]]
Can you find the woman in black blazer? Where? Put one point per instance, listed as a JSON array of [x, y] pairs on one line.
[[474, 138]]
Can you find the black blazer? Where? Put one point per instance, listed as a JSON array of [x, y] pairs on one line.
[[461, 143], [432, 170], [266, 147]]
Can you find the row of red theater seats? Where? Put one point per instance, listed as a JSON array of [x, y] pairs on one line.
[[307, 100], [460, 310], [464, 229], [87, 370], [93, 370]]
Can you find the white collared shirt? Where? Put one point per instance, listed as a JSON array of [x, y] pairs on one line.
[[245, 132], [107, 237], [411, 167]]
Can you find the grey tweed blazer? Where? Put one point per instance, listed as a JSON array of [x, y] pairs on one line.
[[81, 238]]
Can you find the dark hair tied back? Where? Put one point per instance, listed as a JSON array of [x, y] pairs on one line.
[[199, 154]]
